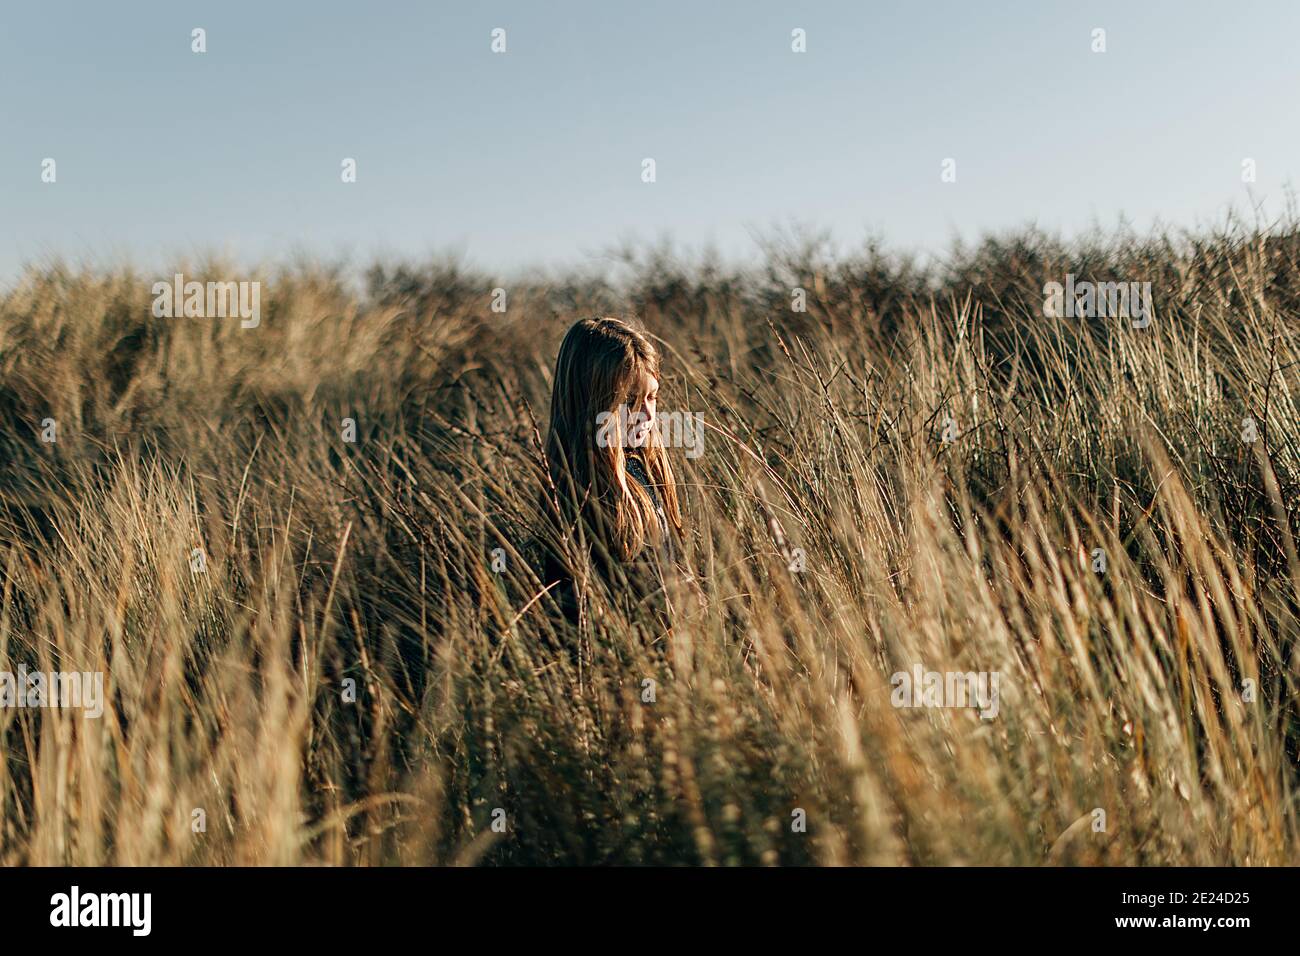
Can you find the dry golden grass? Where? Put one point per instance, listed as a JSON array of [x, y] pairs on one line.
[[371, 561]]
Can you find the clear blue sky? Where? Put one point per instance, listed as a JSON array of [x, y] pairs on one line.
[[533, 157]]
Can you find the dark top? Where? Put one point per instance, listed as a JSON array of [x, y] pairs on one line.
[[641, 580], [636, 468]]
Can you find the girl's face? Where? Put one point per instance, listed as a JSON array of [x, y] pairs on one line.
[[642, 404]]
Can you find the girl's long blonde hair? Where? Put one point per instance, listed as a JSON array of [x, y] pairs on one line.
[[601, 364]]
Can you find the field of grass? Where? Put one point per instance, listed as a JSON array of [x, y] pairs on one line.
[[1160, 691]]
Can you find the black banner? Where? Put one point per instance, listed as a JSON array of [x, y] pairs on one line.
[[974, 905]]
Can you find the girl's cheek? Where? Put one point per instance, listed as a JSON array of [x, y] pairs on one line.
[[641, 425]]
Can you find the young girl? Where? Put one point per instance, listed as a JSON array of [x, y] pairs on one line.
[[612, 499]]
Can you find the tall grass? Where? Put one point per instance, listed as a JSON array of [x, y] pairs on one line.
[[1160, 691]]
